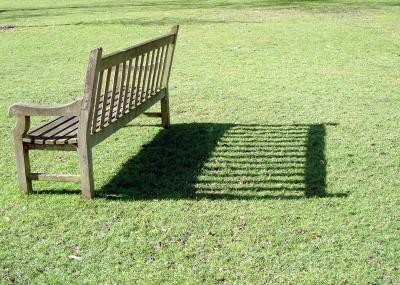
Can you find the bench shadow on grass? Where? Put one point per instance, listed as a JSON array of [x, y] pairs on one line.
[[225, 161]]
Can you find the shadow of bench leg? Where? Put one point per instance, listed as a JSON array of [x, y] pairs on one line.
[[23, 167], [165, 118], [86, 170]]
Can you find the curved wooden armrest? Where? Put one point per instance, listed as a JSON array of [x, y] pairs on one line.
[[21, 109]]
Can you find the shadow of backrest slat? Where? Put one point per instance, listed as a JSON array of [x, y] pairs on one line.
[[226, 161]]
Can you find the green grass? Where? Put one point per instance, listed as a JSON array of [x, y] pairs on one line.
[[282, 165]]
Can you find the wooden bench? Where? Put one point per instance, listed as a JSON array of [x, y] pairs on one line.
[[119, 87]]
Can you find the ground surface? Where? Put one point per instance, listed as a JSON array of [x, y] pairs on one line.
[[282, 166]]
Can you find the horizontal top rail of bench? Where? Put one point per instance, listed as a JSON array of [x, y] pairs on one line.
[[114, 58]]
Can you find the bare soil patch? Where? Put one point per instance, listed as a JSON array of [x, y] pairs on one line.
[[7, 27]]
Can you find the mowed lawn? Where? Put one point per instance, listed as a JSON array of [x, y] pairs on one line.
[[282, 165]]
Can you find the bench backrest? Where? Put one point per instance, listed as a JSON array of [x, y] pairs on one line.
[[119, 82]]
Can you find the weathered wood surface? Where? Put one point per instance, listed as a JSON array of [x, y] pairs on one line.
[[55, 177], [21, 109], [119, 87], [22, 155], [123, 55], [117, 124]]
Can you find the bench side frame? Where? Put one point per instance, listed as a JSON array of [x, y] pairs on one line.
[[87, 140]]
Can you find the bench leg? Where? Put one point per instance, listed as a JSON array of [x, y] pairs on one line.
[[165, 118], [86, 170], [23, 167]]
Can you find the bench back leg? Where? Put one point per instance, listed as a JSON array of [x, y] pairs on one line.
[[165, 117], [86, 171], [23, 167], [84, 146]]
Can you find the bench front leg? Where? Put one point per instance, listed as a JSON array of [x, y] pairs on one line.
[[165, 117], [86, 170], [22, 155]]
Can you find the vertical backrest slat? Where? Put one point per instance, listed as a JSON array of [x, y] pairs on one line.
[[140, 71], [97, 101], [105, 98], [121, 91], [146, 68], [133, 90], [164, 62], [151, 69], [159, 68], [113, 93], [152, 87], [127, 90]]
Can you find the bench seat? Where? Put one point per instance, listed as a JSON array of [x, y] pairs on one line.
[[64, 129]]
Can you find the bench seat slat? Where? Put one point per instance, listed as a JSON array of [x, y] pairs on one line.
[[53, 124], [51, 131]]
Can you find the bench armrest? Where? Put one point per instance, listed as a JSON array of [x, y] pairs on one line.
[[21, 109]]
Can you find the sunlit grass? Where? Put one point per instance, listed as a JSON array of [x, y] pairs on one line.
[[282, 165]]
